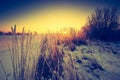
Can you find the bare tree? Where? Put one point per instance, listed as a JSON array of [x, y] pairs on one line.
[[102, 22]]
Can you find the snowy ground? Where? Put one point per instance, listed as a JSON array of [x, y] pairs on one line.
[[95, 61]]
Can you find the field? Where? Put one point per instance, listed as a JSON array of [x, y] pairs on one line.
[[60, 40], [95, 60]]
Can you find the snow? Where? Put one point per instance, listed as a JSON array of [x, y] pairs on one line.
[[98, 60]]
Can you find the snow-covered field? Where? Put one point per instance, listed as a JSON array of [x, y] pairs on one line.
[[98, 60], [95, 61]]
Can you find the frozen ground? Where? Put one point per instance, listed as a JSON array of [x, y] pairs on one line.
[[95, 61]]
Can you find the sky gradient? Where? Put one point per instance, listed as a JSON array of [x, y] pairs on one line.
[[41, 15]]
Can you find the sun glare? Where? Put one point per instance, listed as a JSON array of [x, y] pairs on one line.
[[65, 32]]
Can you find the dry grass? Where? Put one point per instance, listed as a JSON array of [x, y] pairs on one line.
[[50, 60], [47, 60], [23, 56]]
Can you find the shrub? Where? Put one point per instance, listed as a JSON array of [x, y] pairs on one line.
[[103, 24], [79, 41]]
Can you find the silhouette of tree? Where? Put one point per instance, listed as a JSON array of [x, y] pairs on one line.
[[1, 33], [8, 33], [102, 23]]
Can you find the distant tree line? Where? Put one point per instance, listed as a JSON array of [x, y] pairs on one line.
[[103, 24], [10, 33], [5, 33], [13, 31]]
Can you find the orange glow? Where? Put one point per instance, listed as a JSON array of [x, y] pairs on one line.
[[52, 18]]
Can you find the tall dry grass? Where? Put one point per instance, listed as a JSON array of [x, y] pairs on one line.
[[49, 64], [52, 63], [23, 55], [45, 60]]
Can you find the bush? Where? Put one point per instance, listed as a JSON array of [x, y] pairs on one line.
[[79, 42], [103, 24]]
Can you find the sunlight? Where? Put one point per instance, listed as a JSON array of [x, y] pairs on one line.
[[52, 18], [65, 32]]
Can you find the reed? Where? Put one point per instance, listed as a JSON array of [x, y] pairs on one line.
[[23, 56]]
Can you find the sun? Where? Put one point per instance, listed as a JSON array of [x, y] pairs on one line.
[[65, 32]]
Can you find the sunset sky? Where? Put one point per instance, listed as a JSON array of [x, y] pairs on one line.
[[44, 15]]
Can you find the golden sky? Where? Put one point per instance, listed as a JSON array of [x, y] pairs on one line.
[[51, 18]]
